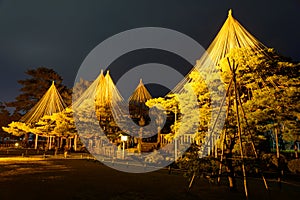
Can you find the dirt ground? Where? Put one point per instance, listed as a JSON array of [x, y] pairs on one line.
[[78, 179]]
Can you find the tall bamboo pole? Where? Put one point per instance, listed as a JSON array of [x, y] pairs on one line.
[[278, 157], [222, 156], [252, 143], [233, 70], [175, 137]]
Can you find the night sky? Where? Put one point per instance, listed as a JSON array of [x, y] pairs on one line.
[[59, 34]]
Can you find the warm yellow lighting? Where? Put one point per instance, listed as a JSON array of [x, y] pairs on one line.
[[102, 91], [50, 103], [229, 12], [13, 159], [140, 94], [124, 138], [231, 36], [16, 144]]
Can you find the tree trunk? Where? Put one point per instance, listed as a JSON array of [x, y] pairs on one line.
[[70, 143], [229, 167], [223, 140], [75, 142], [26, 136], [239, 129], [58, 143], [61, 142], [36, 141], [158, 135], [175, 149], [277, 144], [47, 146], [50, 142], [67, 142], [230, 171], [296, 149]]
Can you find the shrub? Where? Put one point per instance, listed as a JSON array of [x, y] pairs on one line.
[[294, 165]]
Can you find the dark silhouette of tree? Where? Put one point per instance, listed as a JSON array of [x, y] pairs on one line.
[[5, 119], [34, 87]]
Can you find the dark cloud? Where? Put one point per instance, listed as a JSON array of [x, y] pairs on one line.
[[59, 34]]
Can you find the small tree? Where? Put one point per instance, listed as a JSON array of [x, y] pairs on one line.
[[18, 129], [60, 125]]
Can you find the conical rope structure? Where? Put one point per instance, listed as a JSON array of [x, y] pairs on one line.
[[50, 103], [96, 105], [232, 35], [137, 107], [102, 93], [103, 101], [141, 94]]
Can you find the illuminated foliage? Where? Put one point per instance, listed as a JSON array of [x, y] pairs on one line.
[[17, 128], [59, 124], [40, 119]]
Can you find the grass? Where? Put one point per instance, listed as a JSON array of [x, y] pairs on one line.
[[47, 178]]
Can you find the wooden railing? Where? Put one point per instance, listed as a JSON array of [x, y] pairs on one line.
[[183, 139], [7, 145]]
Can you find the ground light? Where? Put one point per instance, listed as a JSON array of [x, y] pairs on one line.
[[124, 139]]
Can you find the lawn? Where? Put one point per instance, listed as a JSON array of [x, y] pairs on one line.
[[46, 178]]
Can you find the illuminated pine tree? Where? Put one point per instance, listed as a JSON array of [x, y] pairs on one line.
[[34, 88]]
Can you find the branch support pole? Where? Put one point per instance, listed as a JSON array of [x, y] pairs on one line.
[[233, 69]]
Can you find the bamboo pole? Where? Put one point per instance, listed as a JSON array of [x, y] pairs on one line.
[[175, 137], [215, 122], [278, 158], [221, 158], [228, 93], [252, 143], [233, 69], [192, 180]]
